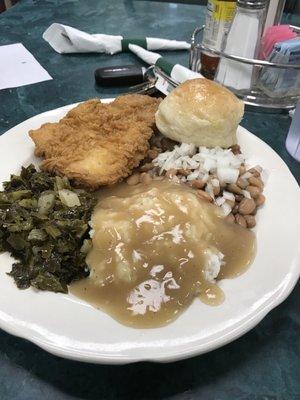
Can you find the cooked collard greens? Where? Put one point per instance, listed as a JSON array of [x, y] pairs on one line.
[[44, 225]]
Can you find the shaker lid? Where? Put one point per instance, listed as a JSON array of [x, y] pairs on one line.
[[253, 4]]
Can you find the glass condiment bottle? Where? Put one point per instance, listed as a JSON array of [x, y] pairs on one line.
[[219, 16]]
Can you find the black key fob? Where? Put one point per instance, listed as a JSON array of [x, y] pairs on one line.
[[123, 75]]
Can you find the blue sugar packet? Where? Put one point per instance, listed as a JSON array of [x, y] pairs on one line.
[[278, 82], [290, 77]]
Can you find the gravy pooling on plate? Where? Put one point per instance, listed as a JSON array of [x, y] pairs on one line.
[[155, 248]]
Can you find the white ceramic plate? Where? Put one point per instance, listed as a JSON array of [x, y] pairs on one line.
[[68, 327]]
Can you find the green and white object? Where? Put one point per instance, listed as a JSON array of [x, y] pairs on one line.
[[65, 39], [177, 72]]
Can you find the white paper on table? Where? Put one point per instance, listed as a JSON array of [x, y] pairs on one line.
[[18, 67]]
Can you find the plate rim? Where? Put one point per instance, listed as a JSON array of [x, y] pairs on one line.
[[281, 292]]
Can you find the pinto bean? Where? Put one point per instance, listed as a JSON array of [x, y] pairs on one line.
[[254, 191], [145, 178], [133, 179], [198, 184], [240, 220], [233, 188], [247, 206], [230, 218], [204, 196], [146, 167], [256, 182], [251, 222], [260, 200]]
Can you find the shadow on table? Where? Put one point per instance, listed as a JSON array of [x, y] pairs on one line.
[[239, 370]]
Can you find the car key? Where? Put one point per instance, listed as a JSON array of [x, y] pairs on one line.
[[120, 75]]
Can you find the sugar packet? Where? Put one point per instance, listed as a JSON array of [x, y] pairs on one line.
[[277, 82]]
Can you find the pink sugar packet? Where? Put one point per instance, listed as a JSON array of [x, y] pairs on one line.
[[273, 35]]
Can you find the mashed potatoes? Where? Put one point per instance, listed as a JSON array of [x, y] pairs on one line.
[[155, 248]]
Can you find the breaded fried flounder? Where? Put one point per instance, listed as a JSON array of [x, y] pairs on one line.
[[98, 144]]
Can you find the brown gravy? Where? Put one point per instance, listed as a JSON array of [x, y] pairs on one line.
[[153, 248]]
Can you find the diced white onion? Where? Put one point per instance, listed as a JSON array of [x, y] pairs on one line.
[[226, 208], [228, 195], [227, 174], [209, 190], [215, 182], [246, 194], [204, 160], [192, 176], [212, 165], [219, 201], [246, 175]]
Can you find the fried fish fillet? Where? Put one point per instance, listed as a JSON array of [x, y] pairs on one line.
[[98, 144]]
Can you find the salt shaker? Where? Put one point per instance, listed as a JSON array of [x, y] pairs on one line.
[[243, 40]]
